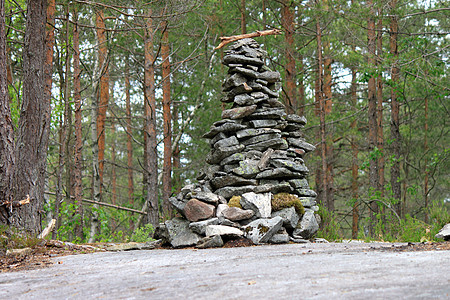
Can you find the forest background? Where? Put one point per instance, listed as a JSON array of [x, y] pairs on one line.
[[103, 107]]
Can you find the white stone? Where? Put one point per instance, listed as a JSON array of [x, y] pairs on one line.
[[259, 203], [220, 208], [222, 230]]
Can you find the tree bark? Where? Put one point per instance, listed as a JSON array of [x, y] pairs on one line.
[[103, 94], [167, 122], [354, 145], [150, 128], [290, 90], [32, 138], [78, 165], [372, 110], [7, 158], [321, 104], [380, 137], [395, 110], [129, 141], [243, 18], [426, 148]]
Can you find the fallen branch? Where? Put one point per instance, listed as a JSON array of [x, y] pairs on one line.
[[47, 229], [105, 204], [228, 39]]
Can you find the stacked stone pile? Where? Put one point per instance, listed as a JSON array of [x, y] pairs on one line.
[[255, 185]]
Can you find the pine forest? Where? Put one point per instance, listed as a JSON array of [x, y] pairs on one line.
[[103, 105]]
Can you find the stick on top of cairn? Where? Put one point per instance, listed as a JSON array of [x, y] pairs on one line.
[[255, 184]]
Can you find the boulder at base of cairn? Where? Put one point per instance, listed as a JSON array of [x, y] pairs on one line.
[[196, 210], [261, 230], [223, 231], [210, 242], [308, 226], [179, 233]]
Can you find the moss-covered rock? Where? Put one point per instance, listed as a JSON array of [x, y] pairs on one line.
[[235, 201], [285, 200]]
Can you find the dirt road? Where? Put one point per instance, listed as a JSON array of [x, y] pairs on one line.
[[300, 271]]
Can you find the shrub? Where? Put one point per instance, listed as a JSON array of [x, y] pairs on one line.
[[142, 234]]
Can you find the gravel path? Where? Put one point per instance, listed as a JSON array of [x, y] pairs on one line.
[[294, 271]]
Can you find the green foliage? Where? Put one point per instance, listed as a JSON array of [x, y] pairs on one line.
[[285, 200], [235, 201], [143, 234], [330, 228]]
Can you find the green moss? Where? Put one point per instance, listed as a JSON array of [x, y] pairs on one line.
[[285, 200], [235, 201], [262, 229]]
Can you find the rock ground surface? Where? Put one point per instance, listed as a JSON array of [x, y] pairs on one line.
[[346, 270]]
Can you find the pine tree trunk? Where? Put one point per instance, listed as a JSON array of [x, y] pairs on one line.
[[426, 149], [150, 128], [7, 157], [243, 18], [32, 138], [321, 104], [372, 103], [287, 22], [354, 145], [395, 110], [380, 138], [129, 141], [103, 94], [78, 165], [167, 122]]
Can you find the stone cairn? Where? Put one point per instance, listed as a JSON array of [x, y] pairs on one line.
[[255, 185]]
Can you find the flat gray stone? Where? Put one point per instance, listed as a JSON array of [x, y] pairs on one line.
[[277, 173], [244, 100], [233, 159], [226, 127], [268, 113], [263, 123], [241, 59], [199, 227], [259, 203], [233, 81], [308, 202], [273, 102], [290, 165], [261, 230], [296, 119], [239, 112], [232, 180], [252, 132], [275, 188], [299, 183], [306, 193], [207, 197], [300, 143], [214, 241], [222, 230], [220, 153], [281, 237], [270, 76], [244, 71], [226, 142], [247, 168], [178, 204], [230, 191], [277, 143], [179, 233], [289, 215], [260, 138]]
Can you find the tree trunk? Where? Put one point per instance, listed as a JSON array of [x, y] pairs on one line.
[[290, 91], [426, 148], [380, 138], [7, 157], [33, 129], [167, 122], [321, 104], [176, 157], [150, 128], [395, 109], [103, 94], [129, 141], [372, 103], [77, 172], [354, 145], [243, 18]]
